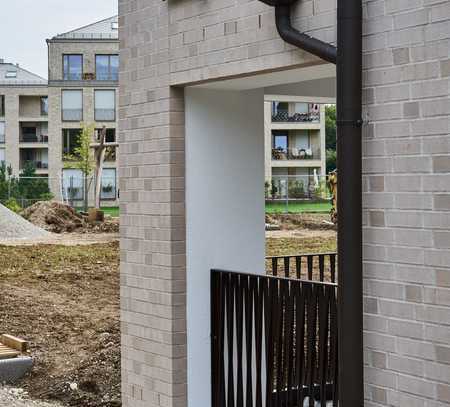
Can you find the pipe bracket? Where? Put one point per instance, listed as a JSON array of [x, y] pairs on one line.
[[354, 123]]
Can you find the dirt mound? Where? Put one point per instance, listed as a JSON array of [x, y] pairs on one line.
[[54, 216], [311, 221], [13, 227]]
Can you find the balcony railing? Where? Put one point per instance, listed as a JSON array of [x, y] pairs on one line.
[[72, 76], [72, 115], [312, 267], [295, 154], [105, 115], [274, 341], [43, 138], [107, 76], [283, 116], [40, 165]]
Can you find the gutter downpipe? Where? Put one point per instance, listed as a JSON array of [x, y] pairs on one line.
[[348, 60]]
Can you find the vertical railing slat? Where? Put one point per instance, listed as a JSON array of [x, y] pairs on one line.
[[273, 338], [239, 292]]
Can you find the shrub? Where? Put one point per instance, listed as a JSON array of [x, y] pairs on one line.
[[13, 205]]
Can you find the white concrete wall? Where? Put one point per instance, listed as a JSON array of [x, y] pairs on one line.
[[224, 208]]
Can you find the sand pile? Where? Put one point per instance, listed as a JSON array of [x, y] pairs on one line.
[[13, 226], [54, 217]]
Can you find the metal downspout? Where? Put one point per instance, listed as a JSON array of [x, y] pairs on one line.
[[348, 60]]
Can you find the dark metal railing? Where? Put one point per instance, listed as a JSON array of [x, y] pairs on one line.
[[314, 267], [274, 341]]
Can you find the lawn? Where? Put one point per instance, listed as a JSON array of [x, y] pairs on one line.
[[297, 207], [111, 210]]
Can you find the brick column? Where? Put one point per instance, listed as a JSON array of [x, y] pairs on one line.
[[152, 212], [407, 177]]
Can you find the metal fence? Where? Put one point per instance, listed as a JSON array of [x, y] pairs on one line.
[[274, 341], [297, 188], [69, 189]]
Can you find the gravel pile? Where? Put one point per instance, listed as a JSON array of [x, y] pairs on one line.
[[13, 227], [12, 397]]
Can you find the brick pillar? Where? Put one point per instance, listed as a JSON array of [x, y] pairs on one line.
[[406, 201], [152, 212]]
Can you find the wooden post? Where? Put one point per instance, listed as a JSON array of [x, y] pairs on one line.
[[99, 154]]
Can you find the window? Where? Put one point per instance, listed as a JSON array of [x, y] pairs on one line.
[[70, 141], [72, 105], [279, 107], [301, 108], [2, 105], [115, 25], [73, 185], [2, 132], [107, 67], [108, 184], [105, 105], [72, 67], [110, 135], [44, 106], [280, 141], [2, 155], [29, 135], [11, 74]]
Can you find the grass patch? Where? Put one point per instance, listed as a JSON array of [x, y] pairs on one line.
[[111, 210], [298, 207]]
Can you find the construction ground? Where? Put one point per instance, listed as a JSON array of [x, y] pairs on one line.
[[62, 295]]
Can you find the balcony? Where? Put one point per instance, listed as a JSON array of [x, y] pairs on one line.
[[279, 154], [284, 117], [29, 138], [72, 115], [39, 165]]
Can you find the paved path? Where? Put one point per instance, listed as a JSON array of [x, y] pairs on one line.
[[12, 397]]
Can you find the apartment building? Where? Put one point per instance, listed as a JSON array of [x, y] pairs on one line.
[[23, 118], [40, 120], [83, 67], [294, 137]]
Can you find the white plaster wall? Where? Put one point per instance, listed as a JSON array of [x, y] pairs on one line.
[[224, 208]]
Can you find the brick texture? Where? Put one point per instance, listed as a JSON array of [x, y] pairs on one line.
[[407, 171], [405, 164]]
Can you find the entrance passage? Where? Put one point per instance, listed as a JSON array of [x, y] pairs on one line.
[[274, 341]]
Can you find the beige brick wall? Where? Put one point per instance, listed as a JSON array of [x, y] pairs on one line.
[[406, 177], [406, 183], [56, 50], [12, 118], [164, 44]]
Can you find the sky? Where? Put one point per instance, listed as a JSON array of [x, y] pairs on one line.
[[26, 24]]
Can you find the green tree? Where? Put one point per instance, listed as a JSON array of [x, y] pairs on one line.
[[30, 186], [82, 158], [331, 160]]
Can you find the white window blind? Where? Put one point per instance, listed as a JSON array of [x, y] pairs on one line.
[[72, 99]]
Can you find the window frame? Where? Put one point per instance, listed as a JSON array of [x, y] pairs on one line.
[[68, 65], [66, 137], [115, 185], [62, 105], [43, 113], [2, 106], [95, 106], [109, 67], [3, 124]]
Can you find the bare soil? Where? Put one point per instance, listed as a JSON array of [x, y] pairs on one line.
[[65, 301]]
